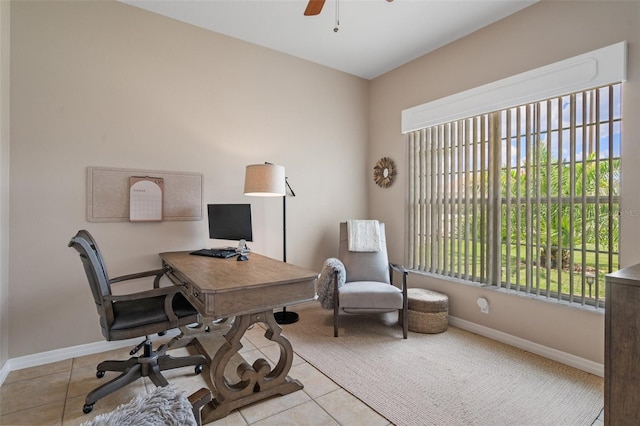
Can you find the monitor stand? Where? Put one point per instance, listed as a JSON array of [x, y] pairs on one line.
[[242, 251]]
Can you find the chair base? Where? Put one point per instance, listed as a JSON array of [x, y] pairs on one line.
[[150, 364]]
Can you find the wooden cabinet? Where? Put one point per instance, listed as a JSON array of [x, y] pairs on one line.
[[622, 347]]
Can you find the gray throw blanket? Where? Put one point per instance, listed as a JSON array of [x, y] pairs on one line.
[[330, 268]]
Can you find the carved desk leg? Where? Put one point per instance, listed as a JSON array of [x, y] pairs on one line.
[[257, 381]]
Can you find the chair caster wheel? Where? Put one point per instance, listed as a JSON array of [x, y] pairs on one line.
[[99, 375], [87, 408], [198, 369]]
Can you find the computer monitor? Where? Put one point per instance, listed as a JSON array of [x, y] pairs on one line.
[[230, 222]]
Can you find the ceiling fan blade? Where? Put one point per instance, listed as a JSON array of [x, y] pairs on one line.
[[314, 7]]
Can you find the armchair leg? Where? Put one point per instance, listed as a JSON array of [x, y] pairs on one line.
[[336, 305], [404, 320]]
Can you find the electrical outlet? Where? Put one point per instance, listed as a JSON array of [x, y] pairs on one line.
[[484, 305]]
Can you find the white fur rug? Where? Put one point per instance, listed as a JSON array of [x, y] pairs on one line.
[[165, 406]]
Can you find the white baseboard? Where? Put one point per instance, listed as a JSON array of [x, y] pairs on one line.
[[56, 355], [90, 348], [102, 346], [4, 372], [535, 348]]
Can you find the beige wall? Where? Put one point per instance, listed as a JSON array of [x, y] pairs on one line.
[[4, 180], [106, 84], [541, 34]]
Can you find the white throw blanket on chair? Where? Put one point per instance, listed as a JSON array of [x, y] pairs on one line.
[[364, 235]]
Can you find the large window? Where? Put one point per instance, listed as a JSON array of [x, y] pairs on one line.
[[525, 198]]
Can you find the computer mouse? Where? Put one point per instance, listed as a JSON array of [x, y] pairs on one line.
[[242, 257]]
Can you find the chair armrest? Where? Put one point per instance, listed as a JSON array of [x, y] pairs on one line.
[[158, 273], [162, 291], [400, 269], [169, 293]]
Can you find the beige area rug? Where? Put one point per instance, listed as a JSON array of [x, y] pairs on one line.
[[452, 378]]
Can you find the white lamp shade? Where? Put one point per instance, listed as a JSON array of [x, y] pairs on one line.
[[264, 180]]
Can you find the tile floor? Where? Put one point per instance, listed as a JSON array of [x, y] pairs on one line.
[[53, 394]]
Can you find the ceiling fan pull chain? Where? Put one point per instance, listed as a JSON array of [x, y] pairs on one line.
[[336, 29]]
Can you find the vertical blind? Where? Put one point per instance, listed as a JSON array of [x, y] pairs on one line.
[[525, 198]]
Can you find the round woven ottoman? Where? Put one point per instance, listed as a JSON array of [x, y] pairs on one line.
[[428, 311]]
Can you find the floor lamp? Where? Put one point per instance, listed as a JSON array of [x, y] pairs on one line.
[[269, 180]]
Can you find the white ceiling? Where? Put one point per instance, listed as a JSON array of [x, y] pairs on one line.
[[375, 36]]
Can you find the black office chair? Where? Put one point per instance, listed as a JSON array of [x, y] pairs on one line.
[[134, 315]]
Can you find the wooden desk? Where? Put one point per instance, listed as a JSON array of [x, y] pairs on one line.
[[248, 291]]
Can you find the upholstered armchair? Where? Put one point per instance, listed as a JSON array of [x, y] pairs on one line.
[[368, 282]]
